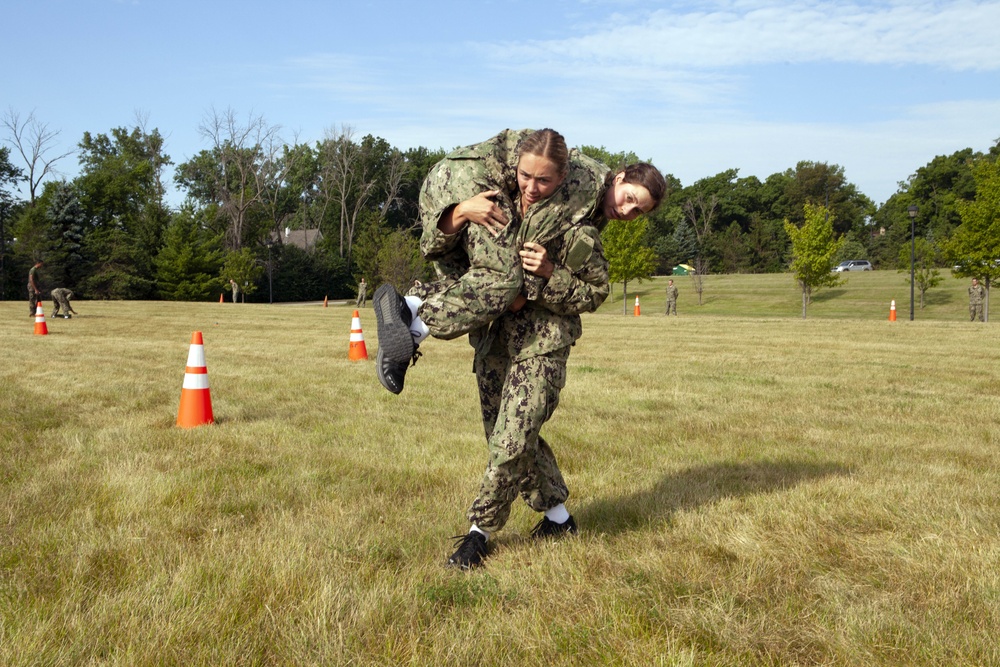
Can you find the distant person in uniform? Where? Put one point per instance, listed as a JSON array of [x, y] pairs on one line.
[[671, 297], [34, 291], [362, 294], [977, 294], [236, 290], [60, 299]]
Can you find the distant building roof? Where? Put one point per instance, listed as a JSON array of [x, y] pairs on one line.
[[305, 239]]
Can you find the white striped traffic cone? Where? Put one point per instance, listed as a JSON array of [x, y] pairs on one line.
[[196, 401]]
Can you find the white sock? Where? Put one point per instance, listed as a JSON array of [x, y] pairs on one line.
[[557, 514], [418, 329], [480, 531]]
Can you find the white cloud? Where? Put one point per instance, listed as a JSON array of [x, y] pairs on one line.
[[955, 35]]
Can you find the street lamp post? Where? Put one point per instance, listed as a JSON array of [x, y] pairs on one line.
[[912, 210], [270, 286]]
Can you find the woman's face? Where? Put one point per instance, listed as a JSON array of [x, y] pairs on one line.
[[626, 201], [537, 178]]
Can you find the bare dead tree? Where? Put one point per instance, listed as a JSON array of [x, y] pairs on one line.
[[246, 153], [348, 177], [701, 214], [33, 140]]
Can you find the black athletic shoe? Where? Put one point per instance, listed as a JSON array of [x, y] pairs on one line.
[[390, 373], [547, 528], [395, 342], [470, 552]]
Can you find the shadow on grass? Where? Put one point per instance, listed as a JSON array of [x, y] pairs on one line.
[[695, 487], [827, 295]]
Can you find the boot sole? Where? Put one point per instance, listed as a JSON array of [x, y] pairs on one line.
[[381, 377], [394, 340]]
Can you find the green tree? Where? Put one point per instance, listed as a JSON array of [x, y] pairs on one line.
[[975, 245], [925, 259], [121, 191], [628, 256], [65, 262], [243, 267], [9, 176], [187, 266], [822, 184], [399, 261], [814, 248]]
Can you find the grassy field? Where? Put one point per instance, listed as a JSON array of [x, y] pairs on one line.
[[751, 487], [862, 295]]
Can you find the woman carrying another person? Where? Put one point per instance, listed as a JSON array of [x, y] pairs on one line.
[[519, 189], [520, 360]]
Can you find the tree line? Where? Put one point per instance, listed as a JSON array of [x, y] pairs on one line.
[[109, 233]]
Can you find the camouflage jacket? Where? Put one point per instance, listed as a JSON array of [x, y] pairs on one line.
[[578, 284], [977, 294], [461, 175], [492, 165]]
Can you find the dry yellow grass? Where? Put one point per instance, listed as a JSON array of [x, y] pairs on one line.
[[750, 491]]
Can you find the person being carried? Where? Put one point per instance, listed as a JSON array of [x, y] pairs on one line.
[[60, 299], [520, 189]]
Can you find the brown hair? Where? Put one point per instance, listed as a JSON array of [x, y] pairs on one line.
[[646, 175], [548, 144]]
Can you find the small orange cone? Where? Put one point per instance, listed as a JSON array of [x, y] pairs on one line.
[[196, 401], [41, 329], [357, 351], [637, 305], [220, 298], [325, 301], [892, 311]]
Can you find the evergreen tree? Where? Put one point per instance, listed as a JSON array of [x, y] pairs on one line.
[[187, 267], [65, 261]]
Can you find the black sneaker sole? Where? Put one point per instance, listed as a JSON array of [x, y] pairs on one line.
[[394, 339], [381, 377]]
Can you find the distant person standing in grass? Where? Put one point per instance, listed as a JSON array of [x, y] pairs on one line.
[[34, 291], [671, 297], [977, 294], [60, 299], [362, 294], [236, 290]]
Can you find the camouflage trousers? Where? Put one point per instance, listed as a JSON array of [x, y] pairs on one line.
[[976, 312], [456, 305], [33, 299], [60, 301], [517, 398]]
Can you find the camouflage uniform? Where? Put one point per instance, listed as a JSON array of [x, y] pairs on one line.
[[33, 296], [60, 299], [482, 275], [520, 366], [362, 294], [672, 299], [977, 294]]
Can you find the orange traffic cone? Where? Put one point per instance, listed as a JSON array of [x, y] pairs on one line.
[[196, 401], [41, 329], [325, 301], [220, 298], [892, 311], [357, 351], [637, 305]]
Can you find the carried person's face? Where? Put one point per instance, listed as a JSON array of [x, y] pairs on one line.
[[626, 201], [537, 178]]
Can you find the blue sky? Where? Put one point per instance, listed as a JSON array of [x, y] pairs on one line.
[[879, 88]]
